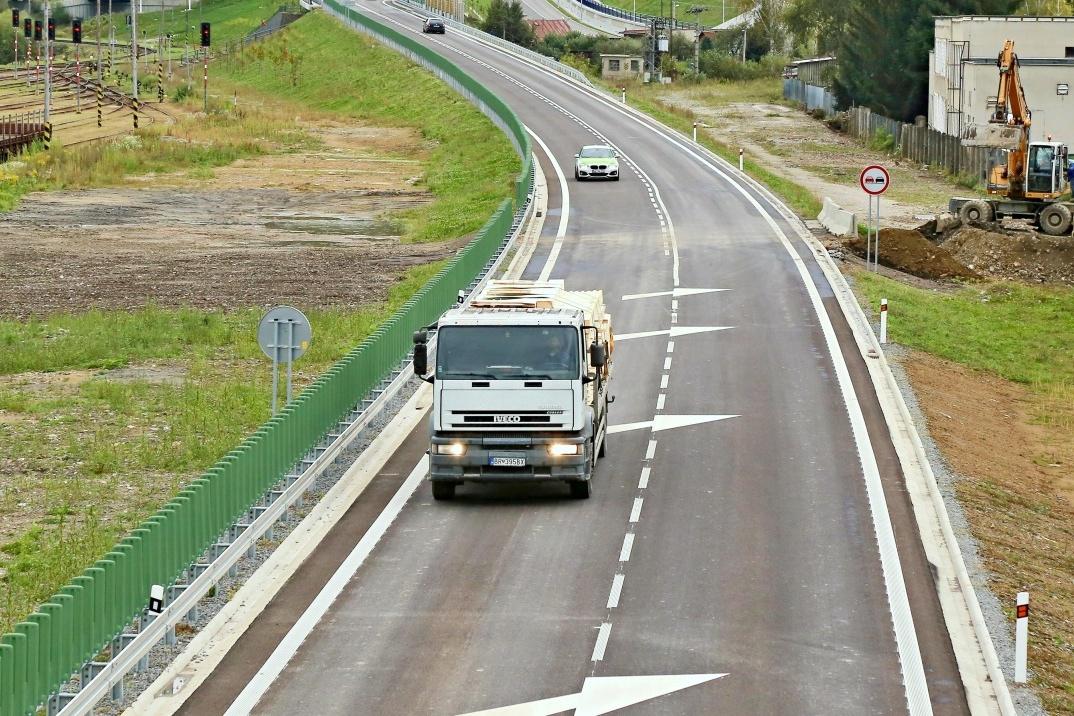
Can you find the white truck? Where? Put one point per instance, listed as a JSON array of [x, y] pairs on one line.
[[520, 387]]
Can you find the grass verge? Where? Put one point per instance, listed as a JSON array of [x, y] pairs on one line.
[[1019, 503], [104, 415]]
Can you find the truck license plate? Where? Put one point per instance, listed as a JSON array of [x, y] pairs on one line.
[[504, 461]]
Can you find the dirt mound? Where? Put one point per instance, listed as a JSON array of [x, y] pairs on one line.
[[1014, 255], [908, 250]]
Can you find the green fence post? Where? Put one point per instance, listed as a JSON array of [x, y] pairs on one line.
[[82, 592], [29, 631], [7, 676], [63, 633], [17, 642]]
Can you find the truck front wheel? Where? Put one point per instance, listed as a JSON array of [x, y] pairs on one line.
[[443, 490], [581, 490], [975, 212]]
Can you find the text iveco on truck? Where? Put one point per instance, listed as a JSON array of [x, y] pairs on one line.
[[520, 387]]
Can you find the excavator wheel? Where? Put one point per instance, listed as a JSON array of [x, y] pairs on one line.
[[975, 212], [1054, 220]]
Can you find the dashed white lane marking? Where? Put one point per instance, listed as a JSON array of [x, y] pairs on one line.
[[644, 481], [660, 401], [617, 589], [674, 317], [565, 209], [650, 450], [664, 381], [635, 511], [602, 641], [671, 346], [674, 304], [667, 363], [628, 544]]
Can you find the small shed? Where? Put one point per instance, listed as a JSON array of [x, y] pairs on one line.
[[621, 67]]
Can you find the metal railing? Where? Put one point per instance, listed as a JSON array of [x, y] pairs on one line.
[[63, 637]]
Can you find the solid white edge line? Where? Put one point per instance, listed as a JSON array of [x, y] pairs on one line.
[[286, 649], [617, 590], [602, 641], [565, 209]]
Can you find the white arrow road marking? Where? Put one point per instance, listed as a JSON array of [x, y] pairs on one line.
[[604, 694], [676, 293], [673, 332], [667, 422]]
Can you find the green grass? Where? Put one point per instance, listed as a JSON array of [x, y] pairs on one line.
[[230, 19], [470, 164], [1021, 333], [95, 457]]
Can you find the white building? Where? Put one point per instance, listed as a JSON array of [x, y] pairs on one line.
[[964, 78]]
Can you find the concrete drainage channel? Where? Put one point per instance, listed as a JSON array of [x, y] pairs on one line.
[[237, 546]]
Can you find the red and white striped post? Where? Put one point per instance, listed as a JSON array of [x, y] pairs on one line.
[[1021, 637], [883, 321]]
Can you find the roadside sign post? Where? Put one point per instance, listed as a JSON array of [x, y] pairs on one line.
[[874, 181], [883, 321], [284, 335]]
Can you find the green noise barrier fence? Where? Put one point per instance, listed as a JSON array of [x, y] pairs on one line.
[[78, 622]]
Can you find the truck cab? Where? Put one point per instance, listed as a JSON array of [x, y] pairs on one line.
[[520, 390]]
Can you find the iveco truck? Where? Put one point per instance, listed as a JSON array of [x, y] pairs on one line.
[[520, 386]]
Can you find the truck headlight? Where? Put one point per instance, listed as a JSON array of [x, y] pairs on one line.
[[563, 449], [454, 449]]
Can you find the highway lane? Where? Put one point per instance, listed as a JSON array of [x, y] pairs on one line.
[[753, 551]]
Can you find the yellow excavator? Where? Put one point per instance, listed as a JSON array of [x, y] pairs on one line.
[[1030, 184]]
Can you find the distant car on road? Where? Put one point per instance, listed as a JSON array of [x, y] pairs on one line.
[[596, 161], [434, 25]]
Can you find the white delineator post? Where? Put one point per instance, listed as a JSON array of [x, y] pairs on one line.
[[1021, 637], [740, 161], [883, 321], [623, 90], [695, 132]]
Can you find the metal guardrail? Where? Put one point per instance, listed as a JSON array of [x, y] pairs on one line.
[[485, 37], [640, 17], [63, 636]]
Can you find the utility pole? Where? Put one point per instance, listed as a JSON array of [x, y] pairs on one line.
[[134, 51], [48, 67], [99, 75], [743, 45]]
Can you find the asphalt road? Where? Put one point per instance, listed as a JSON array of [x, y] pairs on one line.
[[743, 544]]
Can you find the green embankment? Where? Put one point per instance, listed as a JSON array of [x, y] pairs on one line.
[[87, 453]]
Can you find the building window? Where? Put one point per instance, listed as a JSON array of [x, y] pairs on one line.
[[635, 65], [1070, 52], [613, 65]]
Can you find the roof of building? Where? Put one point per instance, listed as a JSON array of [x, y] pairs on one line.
[[612, 54], [813, 59], [1006, 18], [544, 28]]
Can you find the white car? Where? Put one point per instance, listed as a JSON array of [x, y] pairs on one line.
[[596, 161]]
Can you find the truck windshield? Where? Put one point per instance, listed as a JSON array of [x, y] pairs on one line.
[[507, 352]]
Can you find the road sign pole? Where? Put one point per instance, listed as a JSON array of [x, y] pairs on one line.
[[290, 356], [275, 365], [876, 246], [869, 233]]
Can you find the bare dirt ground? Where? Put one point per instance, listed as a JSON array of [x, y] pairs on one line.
[[1018, 495], [312, 228], [792, 144]]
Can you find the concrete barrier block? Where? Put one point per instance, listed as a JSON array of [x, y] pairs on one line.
[[837, 220]]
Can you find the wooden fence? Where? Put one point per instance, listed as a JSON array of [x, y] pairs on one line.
[[920, 144]]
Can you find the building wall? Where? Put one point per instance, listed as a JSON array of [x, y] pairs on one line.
[[965, 53]]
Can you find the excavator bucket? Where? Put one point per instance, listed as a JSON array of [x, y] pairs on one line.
[[996, 136]]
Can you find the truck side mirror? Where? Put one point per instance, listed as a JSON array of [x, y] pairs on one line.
[[421, 352], [598, 355]]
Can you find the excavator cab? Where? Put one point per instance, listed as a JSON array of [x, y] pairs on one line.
[[1046, 170]]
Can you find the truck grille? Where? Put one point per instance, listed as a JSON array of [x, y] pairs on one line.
[[508, 419]]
